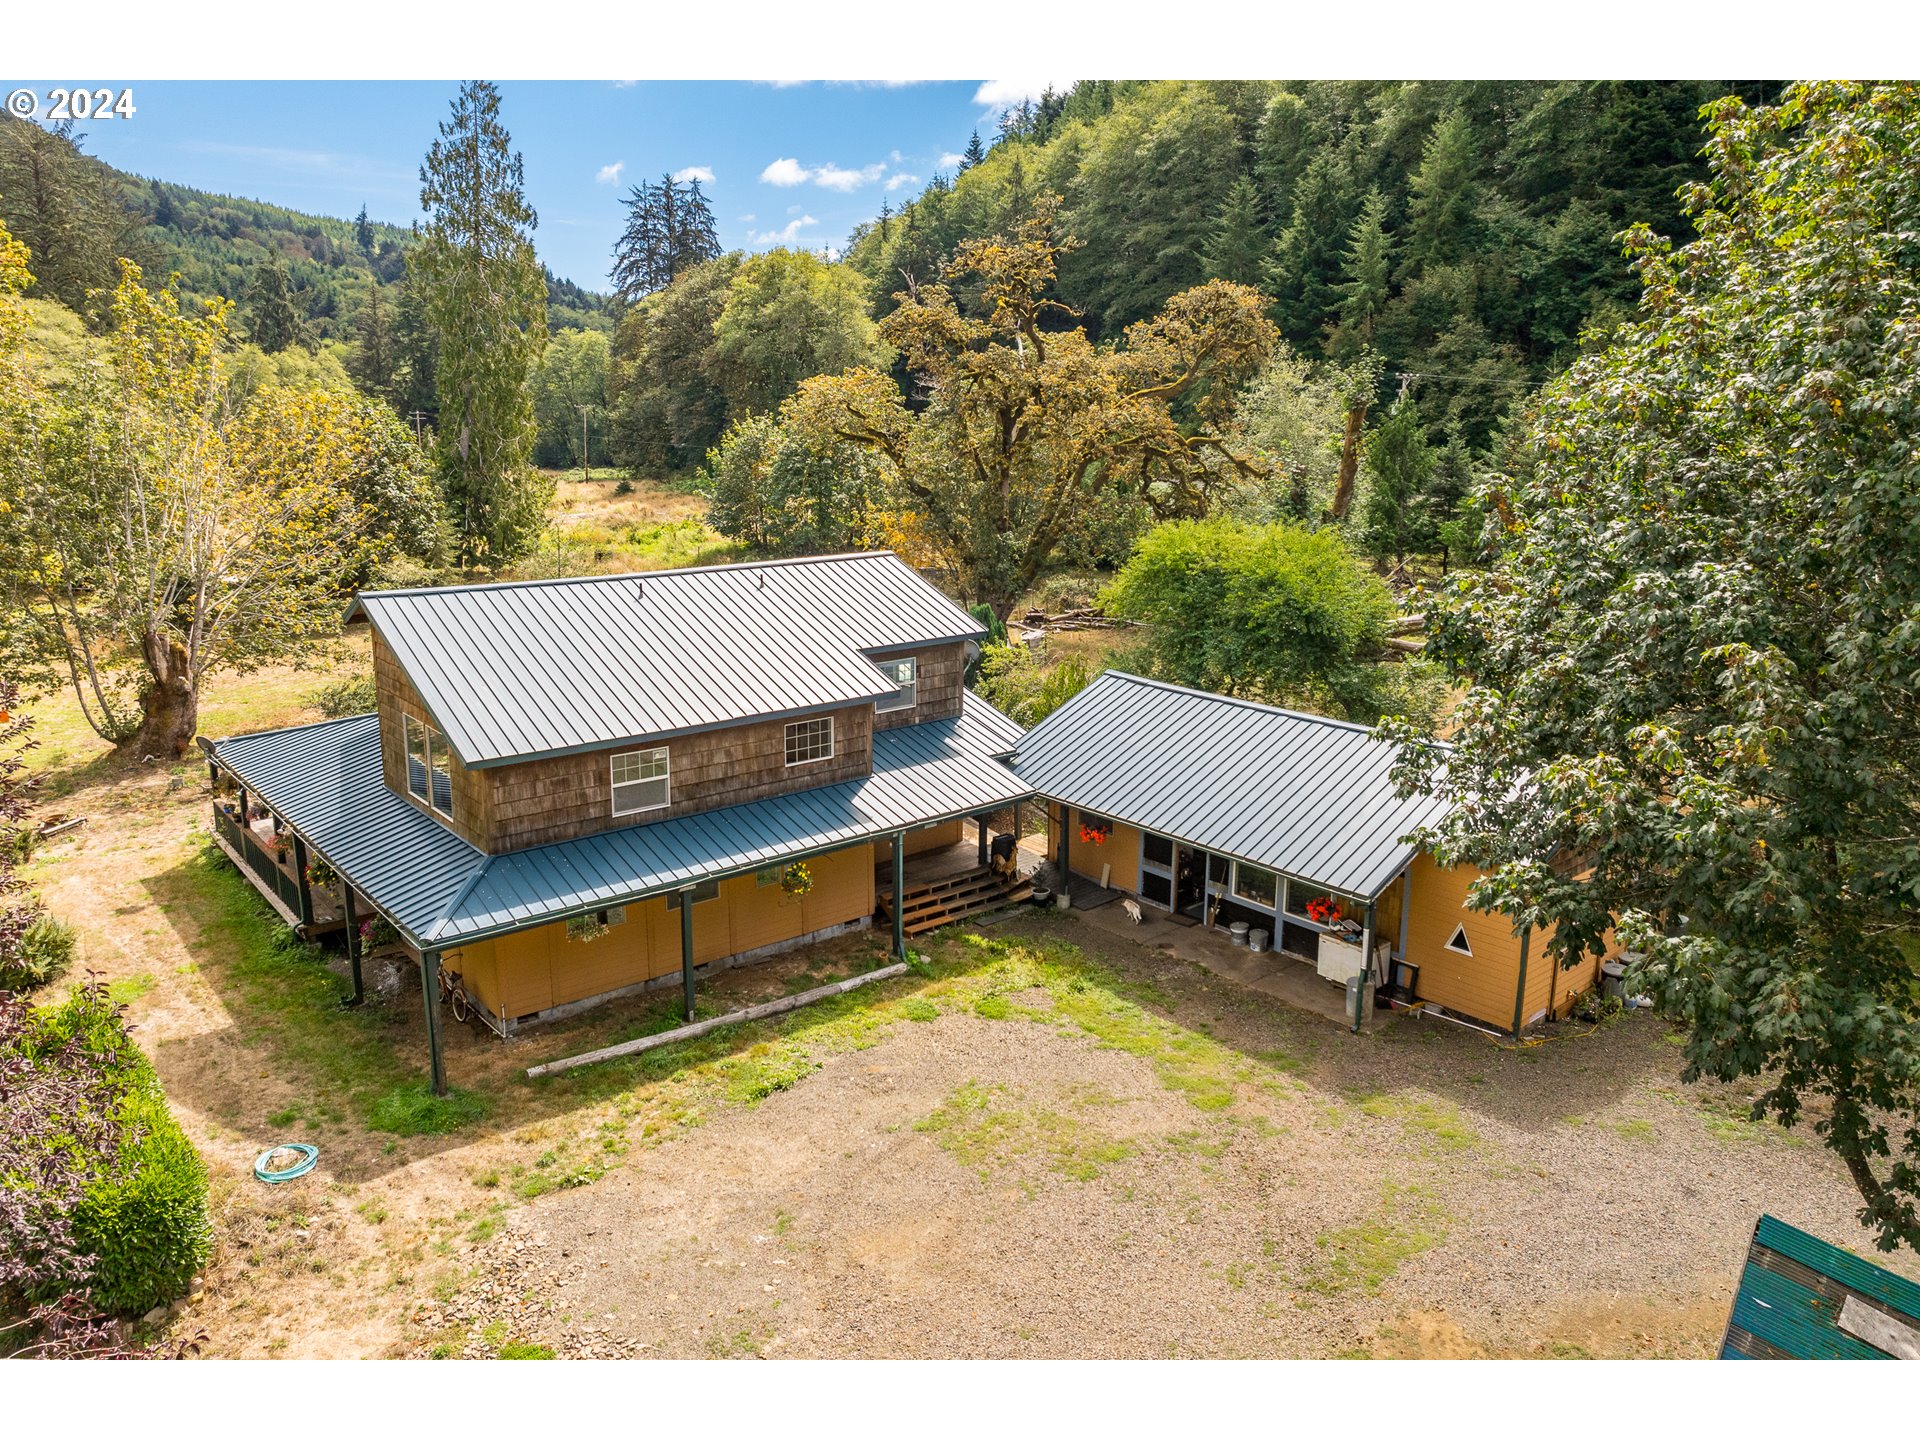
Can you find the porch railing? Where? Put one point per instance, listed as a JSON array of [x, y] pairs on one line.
[[249, 849]]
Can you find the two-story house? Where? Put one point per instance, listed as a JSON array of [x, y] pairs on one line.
[[574, 788]]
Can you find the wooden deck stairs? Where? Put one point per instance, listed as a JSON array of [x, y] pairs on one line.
[[954, 897]]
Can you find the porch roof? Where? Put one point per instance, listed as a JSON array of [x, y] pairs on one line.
[[1309, 797], [325, 780]]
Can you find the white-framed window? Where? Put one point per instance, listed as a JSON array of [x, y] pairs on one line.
[[1458, 943], [640, 781], [1256, 886], [905, 675], [809, 741], [429, 763]]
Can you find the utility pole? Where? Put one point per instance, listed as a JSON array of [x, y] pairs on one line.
[[586, 467]]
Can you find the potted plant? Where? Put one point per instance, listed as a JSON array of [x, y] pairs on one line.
[[1325, 910], [1095, 832], [796, 880]]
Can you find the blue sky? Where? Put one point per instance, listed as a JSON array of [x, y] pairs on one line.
[[797, 164]]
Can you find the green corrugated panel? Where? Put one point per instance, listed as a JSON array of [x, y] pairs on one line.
[[1850, 1270], [1781, 1312]]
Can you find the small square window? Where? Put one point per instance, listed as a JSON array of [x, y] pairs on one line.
[[905, 675], [640, 781], [810, 740], [705, 890], [769, 875]]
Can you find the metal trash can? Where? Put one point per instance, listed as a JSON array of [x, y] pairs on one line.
[[1612, 980], [1238, 930], [1257, 941]]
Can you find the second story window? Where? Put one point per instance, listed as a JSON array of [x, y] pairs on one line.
[[429, 766], [905, 675], [810, 740], [640, 781]]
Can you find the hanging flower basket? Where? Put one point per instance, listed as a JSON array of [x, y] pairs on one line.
[[587, 927], [321, 874], [796, 879], [376, 934], [1095, 832]]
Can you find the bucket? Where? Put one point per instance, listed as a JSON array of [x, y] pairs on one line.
[[1063, 901], [1257, 941], [1238, 930]]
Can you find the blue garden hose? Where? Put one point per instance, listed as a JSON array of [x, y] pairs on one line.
[[309, 1157]]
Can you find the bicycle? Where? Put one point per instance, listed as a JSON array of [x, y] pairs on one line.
[[454, 996]]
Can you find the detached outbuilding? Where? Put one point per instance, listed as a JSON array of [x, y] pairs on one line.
[[1285, 828]]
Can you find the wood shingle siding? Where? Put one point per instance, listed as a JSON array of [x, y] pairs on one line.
[[568, 796], [472, 789], [939, 689]]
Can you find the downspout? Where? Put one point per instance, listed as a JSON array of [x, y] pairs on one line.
[[1520, 992]]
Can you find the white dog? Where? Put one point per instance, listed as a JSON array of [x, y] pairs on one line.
[[1132, 907]]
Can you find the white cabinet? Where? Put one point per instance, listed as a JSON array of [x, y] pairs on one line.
[[1339, 960]]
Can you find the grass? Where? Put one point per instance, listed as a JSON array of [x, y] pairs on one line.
[[521, 1350], [1367, 1254], [125, 992], [1434, 1122], [986, 1129], [413, 1109]]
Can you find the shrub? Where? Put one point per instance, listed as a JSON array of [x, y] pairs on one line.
[[41, 956], [344, 697], [103, 1201]]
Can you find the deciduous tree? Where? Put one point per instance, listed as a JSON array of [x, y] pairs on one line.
[[1695, 667]]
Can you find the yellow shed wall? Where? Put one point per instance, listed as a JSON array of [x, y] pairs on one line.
[[1481, 986], [534, 970], [1121, 850]]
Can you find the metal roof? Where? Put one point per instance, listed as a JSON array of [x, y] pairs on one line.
[[326, 781], [1301, 794], [547, 667], [1803, 1299]]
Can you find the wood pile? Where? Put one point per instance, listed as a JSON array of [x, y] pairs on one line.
[[1084, 618]]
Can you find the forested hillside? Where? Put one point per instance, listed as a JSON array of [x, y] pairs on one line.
[[1465, 231], [51, 191]]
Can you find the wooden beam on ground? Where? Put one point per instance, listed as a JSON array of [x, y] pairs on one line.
[[705, 1027]]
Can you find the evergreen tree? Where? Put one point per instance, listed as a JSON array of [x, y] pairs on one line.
[[67, 210], [1446, 197], [1369, 262], [1236, 249], [487, 304], [670, 229], [1307, 257], [375, 361], [363, 231], [973, 154], [416, 356], [274, 320], [1399, 461]]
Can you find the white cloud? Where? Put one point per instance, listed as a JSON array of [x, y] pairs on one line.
[[625, 84], [788, 234], [1005, 94], [610, 174], [702, 173], [949, 161], [788, 172], [899, 178], [832, 177]]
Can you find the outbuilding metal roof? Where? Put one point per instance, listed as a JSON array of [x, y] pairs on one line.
[[1301, 794], [1803, 1299], [547, 667], [326, 781]]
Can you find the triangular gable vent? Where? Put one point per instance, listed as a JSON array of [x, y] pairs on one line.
[[1459, 941]]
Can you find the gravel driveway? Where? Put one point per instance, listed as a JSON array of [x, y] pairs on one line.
[[1017, 1186]]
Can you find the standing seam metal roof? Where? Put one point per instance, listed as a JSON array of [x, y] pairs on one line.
[[326, 781], [1310, 797], [520, 670]]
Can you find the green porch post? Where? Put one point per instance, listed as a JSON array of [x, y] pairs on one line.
[[300, 879], [1066, 851], [686, 951], [430, 988], [1366, 967], [899, 895], [980, 825], [353, 950]]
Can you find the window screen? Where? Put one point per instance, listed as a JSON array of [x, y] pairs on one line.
[[1157, 850], [1256, 886], [705, 890], [640, 781]]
